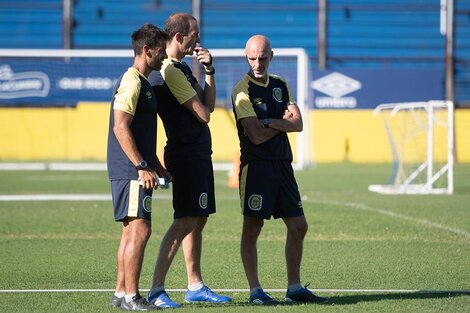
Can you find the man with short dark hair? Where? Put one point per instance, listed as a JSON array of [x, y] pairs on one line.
[[132, 162]]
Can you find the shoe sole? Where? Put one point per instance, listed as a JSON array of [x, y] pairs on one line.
[[206, 301], [289, 300]]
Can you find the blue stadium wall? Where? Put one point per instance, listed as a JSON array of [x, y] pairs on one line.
[[377, 51]]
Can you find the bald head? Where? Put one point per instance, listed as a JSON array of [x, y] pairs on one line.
[[258, 43], [259, 54]]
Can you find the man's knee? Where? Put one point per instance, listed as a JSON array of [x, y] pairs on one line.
[[252, 227], [298, 228], [200, 222], [185, 224], [139, 229]]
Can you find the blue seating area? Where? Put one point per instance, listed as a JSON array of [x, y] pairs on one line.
[[393, 31], [462, 50], [31, 24], [109, 23], [228, 24], [360, 33]]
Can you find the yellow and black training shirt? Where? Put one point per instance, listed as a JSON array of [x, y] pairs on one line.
[[133, 94], [269, 100], [188, 138]]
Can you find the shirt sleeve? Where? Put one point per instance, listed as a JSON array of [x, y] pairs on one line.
[[241, 102], [178, 84], [291, 98], [127, 94]]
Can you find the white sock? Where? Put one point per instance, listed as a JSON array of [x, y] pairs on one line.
[[255, 290], [195, 286], [120, 294], [129, 297], [294, 288], [156, 289]]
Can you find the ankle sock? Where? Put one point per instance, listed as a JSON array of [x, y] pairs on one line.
[[255, 290], [155, 290], [120, 294], [294, 288], [195, 286], [129, 297]]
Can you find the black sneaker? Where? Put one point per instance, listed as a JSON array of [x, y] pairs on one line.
[[262, 298], [304, 296], [116, 301], [138, 304]]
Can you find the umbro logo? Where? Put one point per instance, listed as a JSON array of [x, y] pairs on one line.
[[336, 85]]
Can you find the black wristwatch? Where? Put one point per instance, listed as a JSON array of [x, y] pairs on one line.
[[142, 165], [211, 72]]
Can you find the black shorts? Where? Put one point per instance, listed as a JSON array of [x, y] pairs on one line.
[[131, 200], [268, 188], [193, 189]]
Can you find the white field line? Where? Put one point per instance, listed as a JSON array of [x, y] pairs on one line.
[[74, 166], [168, 196], [69, 197], [361, 206], [247, 290]]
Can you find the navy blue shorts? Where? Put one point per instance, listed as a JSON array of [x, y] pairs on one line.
[[131, 200], [193, 188], [268, 188]]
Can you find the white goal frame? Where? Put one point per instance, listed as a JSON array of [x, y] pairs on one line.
[[408, 186], [304, 144]]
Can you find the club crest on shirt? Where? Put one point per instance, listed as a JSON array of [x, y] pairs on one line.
[[147, 204], [203, 199], [255, 202], [277, 94], [149, 95]]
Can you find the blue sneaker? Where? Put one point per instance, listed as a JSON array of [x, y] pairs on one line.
[[262, 298], [162, 300], [205, 294], [304, 295]]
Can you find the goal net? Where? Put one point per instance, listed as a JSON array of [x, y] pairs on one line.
[[60, 78], [421, 141]]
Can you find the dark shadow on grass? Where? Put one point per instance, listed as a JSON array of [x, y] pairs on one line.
[[344, 300], [218, 305], [353, 299]]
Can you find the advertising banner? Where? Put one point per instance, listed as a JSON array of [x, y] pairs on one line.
[[64, 82], [367, 88], [59, 82]]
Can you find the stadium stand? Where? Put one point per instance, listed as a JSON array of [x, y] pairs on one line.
[[31, 24], [462, 52], [360, 33], [108, 23], [289, 24]]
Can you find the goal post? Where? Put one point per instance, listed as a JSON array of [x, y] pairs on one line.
[[67, 75], [421, 137]]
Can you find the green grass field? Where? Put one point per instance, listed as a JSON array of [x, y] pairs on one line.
[[358, 241]]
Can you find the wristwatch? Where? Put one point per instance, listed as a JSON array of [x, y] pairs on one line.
[[211, 72], [142, 165]]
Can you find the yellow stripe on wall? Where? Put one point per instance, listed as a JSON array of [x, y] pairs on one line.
[[80, 133]]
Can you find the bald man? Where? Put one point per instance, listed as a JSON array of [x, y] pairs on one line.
[[265, 112]]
